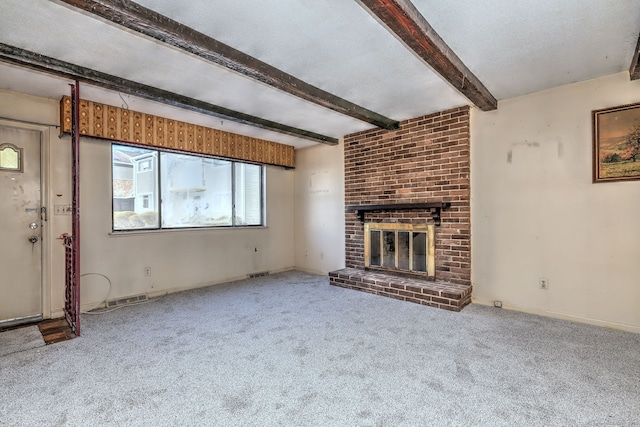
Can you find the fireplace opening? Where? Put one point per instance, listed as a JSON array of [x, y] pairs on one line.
[[408, 248]]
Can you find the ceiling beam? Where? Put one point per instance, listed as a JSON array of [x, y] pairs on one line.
[[634, 69], [405, 21], [152, 24], [34, 61]]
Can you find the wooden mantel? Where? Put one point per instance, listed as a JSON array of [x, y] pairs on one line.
[[435, 208]]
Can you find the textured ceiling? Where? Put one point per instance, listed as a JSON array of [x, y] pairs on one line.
[[514, 47]]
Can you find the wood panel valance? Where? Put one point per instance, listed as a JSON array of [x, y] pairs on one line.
[[120, 124]]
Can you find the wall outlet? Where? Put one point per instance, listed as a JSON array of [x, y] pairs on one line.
[[147, 271], [544, 284]]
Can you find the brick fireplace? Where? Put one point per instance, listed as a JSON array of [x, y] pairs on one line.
[[418, 174]]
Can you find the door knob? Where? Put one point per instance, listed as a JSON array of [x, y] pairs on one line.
[[33, 239]]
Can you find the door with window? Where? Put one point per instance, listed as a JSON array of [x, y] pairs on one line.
[[20, 226]]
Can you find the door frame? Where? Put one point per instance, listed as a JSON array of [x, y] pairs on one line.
[[46, 201]]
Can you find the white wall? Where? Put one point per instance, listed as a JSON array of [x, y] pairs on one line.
[[536, 213], [180, 259], [319, 208]]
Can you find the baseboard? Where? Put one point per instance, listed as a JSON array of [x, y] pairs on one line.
[[153, 294], [311, 271], [281, 270], [563, 316], [56, 313]]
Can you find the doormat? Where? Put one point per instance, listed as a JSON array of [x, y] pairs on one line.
[[20, 339]]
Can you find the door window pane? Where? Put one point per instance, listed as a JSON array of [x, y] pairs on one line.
[[196, 191], [10, 157]]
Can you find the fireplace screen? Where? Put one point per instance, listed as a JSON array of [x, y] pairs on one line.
[[402, 247]]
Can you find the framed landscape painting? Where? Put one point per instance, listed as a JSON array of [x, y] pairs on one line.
[[616, 143]]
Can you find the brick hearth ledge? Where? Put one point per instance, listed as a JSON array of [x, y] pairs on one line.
[[444, 295]]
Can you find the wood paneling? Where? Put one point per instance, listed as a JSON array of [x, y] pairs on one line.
[[119, 124]]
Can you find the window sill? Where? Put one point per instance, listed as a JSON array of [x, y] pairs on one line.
[[142, 232]]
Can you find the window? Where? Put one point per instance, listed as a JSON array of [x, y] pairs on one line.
[[135, 190], [196, 191], [154, 189], [10, 158], [247, 190], [146, 198], [145, 165]]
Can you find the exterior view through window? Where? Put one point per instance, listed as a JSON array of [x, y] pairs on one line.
[[153, 189]]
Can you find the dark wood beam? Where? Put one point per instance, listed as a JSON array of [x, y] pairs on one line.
[[634, 69], [34, 61], [152, 24], [405, 21]]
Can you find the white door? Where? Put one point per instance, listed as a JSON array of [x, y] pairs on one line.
[[20, 226]]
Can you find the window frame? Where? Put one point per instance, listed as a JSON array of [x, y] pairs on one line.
[[158, 170]]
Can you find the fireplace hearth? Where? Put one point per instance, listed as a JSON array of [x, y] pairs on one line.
[[407, 217]]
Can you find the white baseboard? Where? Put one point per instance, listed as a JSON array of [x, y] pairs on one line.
[[56, 313], [311, 271], [563, 316], [153, 294]]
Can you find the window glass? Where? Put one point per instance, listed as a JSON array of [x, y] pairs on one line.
[[156, 189], [196, 191], [389, 249], [403, 250], [248, 194], [145, 165], [375, 248], [10, 157], [135, 189], [420, 252]]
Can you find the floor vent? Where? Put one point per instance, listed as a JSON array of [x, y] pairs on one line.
[[128, 300], [264, 273]]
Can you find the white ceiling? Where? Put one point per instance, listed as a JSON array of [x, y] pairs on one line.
[[514, 47]]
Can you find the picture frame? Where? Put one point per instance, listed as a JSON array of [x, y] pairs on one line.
[[616, 143]]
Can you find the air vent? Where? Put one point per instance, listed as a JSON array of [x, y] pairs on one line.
[[264, 273], [128, 300]]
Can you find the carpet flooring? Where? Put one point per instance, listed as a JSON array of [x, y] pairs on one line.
[[291, 350], [20, 339]]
